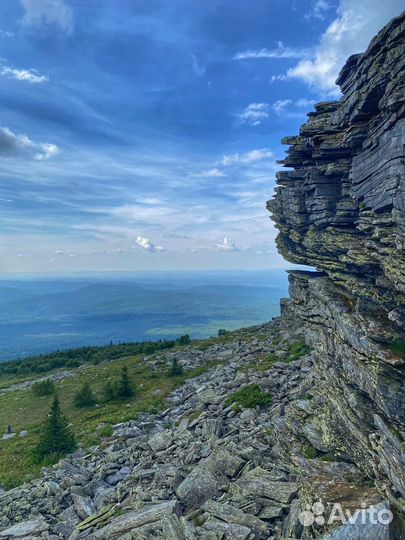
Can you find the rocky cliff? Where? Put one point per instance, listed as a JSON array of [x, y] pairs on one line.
[[341, 209]]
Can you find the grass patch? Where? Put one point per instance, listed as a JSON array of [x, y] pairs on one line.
[[297, 350], [250, 396], [267, 362], [25, 410]]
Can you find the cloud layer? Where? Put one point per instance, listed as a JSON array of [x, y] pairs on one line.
[[349, 33], [12, 144]]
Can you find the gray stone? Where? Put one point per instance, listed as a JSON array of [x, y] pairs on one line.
[[25, 528]]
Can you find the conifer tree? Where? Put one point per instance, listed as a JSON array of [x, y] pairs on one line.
[[108, 391], [56, 439], [84, 397], [124, 386], [176, 368]]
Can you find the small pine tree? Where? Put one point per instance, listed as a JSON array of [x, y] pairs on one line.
[[84, 397], [124, 387], [108, 391], [56, 439], [176, 368], [184, 340]]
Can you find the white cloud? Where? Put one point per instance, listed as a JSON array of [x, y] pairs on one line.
[[146, 244], [349, 33], [213, 173], [281, 104], [29, 75], [6, 33], [59, 252], [248, 157], [304, 102], [281, 51], [319, 10], [255, 113], [13, 144], [38, 12], [281, 77], [226, 245]]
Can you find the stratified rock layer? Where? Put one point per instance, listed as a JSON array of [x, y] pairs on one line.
[[341, 209]]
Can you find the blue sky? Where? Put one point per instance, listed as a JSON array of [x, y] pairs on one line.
[[144, 134]]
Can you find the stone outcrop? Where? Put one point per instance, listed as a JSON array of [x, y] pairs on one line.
[[341, 209]]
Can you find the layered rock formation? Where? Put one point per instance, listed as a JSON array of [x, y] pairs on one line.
[[341, 209]]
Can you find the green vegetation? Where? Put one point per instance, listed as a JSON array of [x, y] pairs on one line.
[[222, 332], [328, 457], [398, 348], [84, 397], [105, 431], [75, 357], [297, 350], [250, 396], [176, 368], [184, 340], [108, 391], [43, 388], [56, 439], [25, 410], [310, 452], [267, 362], [124, 387]]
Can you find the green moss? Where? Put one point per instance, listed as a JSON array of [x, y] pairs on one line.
[[310, 452], [398, 348], [250, 396], [297, 350], [328, 457]]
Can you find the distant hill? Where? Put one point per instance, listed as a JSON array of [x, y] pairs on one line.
[[38, 316]]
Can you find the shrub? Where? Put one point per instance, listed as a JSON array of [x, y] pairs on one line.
[[72, 363], [250, 396], [108, 391], [297, 350], [176, 368], [56, 439], [43, 388], [184, 340], [84, 397], [106, 431], [267, 362], [222, 332], [124, 387]]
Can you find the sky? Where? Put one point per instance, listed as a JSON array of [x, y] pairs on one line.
[[144, 134]]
